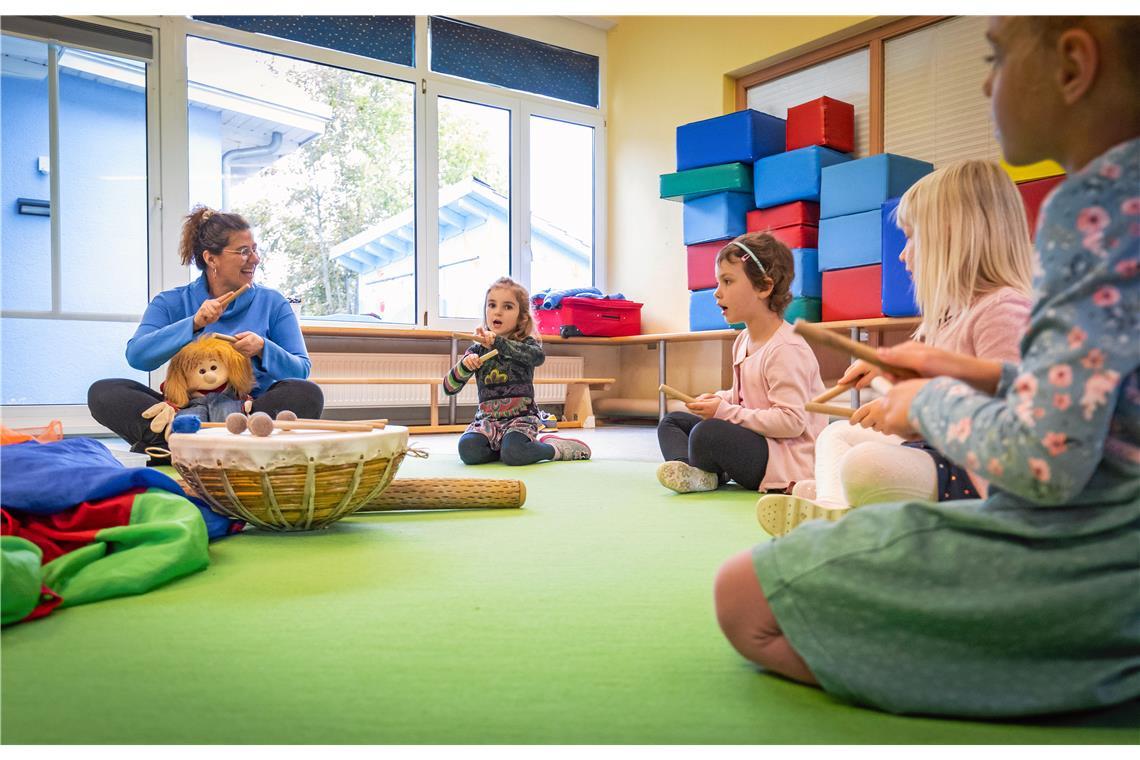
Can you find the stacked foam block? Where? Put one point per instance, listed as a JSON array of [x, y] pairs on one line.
[[714, 180], [1033, 195], [859, 240]]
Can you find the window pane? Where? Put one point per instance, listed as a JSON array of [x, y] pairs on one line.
[[54, 361], [103, 190], [934, 107], [26, 253], [561, 204], [474, 203], [846, 78], [321, 161]]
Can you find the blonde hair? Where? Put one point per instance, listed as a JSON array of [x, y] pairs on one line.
[[525, 326], [177, 385], [969, 237]]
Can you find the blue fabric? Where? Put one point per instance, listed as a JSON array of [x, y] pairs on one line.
[[168, 325], [898, 286], [848, 241], [45, 478], [213, 407], [386, 38], [852, 187], [486, 55], [744, 136], [552, 299]]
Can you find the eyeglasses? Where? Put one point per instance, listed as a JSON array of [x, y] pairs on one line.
[[245, 251]]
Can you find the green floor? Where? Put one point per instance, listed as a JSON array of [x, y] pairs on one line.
[[586, 617]]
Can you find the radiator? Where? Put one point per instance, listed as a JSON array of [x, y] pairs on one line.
[[418, 365]]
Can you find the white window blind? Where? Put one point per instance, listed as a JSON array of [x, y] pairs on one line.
[[934, 108], [846, 78]]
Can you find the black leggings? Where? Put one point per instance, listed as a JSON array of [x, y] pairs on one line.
[[731, 451], [118, 404], [475, 448]]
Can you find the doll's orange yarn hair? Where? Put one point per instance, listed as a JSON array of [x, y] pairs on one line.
[[177, 385]]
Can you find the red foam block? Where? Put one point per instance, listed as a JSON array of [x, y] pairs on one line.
[[785, 215], [823, 121], [793, 236], [855, 293], [702, 263], [1033, 195]]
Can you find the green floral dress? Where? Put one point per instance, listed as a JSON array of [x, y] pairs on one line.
[[1027, 602]]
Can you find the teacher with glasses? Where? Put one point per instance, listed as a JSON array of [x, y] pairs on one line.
[[266, 330]]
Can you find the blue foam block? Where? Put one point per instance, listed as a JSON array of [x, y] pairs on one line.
[[854, 240], [863, 184], [742, 136], [704, 314], [713, 217], [898, 286], [792, 176], [807, 282]]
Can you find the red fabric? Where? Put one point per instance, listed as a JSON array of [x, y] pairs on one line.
[[1033, 194], [63, 532], [784, 215], [49, 600], [702, 263], [855, 293], [823, 121]]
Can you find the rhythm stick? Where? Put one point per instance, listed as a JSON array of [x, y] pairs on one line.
[[226, 338], [223, 300], [836, 411], [819, 336], [674, 393], [826, 396], [488, 355]]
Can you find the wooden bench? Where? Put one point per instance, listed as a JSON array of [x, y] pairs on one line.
[[578, 410]]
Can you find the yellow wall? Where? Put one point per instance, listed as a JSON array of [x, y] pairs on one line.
[[664, 71]]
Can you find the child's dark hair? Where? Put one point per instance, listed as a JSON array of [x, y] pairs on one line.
[[207, 230], [525, 326], [779, 267]]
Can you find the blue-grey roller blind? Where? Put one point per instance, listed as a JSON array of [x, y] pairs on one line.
[[485, 55], [386, 38]]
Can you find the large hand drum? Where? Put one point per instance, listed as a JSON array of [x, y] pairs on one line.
[[297, 480]]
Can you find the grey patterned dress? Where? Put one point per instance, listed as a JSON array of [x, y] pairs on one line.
[[1027, 602]]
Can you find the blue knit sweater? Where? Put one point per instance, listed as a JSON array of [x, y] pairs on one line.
[[168, 325]]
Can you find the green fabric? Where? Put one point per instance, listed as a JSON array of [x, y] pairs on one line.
[[165, 539], [19, 578], [587, 616], [707, 180]]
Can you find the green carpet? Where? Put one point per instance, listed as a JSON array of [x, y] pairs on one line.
[[584, 618]]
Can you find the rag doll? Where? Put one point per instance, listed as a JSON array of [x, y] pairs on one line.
[[207, 378]]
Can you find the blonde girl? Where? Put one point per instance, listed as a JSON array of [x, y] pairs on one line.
[[969, 252]]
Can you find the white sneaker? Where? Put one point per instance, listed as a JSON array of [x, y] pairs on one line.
[[804, 489], [779, 514], [567, 449], [684, 478]]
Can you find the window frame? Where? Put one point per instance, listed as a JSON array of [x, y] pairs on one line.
[[872, 39], [76, 418], [429, 84]]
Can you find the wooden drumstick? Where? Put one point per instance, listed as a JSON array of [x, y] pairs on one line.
[[223, 300], [837, 411], [819, 336], [493, 352], [826, 396], [223, 336], [357, 426], [674, 393]]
